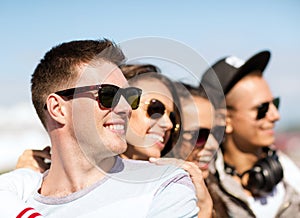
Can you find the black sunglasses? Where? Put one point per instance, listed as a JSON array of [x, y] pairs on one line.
[[264, 107], [199, 136], [155, 109], [108, 94]]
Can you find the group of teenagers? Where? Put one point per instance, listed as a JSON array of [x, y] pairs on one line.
[[126, 141]]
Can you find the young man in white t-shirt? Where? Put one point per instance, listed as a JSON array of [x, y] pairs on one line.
[[84, 103]]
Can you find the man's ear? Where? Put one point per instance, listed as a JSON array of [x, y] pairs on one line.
[[56, 108], [229, 127]]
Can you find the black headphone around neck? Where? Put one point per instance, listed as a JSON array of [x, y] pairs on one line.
[[265, 174]]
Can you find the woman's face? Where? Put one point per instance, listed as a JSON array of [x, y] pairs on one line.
[[147, 135], [198, 151]]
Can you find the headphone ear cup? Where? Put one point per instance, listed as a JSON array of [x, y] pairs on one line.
[[256, 180], [276, 167], [265, 175], [269, 175]]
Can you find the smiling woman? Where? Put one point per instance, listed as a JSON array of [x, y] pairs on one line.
[[151, 125]]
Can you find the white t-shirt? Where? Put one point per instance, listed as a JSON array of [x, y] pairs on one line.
[[268, 206], [15, 188], [131, 189]]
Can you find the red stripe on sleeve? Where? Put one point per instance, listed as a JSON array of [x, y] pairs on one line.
[[34, 215], [23, 212]]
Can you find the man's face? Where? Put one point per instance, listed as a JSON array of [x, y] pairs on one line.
[[243, 101], [100, 132]]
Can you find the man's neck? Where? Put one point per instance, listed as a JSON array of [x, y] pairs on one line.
[[242, 160], [72, 173]]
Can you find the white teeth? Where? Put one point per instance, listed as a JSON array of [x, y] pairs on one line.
[[115, 127], [156, 137], [205, 158]]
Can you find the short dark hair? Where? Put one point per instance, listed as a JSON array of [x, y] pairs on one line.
[[59, 67]]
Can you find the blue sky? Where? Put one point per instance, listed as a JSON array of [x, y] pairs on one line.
[[212, 28]]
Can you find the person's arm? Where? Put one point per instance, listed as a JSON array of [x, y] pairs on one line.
[[204, 202], [35, 160], [15, 187]]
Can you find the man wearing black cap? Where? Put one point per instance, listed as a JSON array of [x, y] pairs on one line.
[[254, 179]]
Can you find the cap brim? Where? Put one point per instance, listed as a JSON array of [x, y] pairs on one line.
[[256, 62]]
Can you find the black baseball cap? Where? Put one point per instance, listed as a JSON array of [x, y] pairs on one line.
[[231, 69]]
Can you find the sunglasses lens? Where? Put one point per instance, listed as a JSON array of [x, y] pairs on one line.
[[202, 137], [276, 102], [156, 109], [197, 137], [132, 96], [263, 108], [108, 96]]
